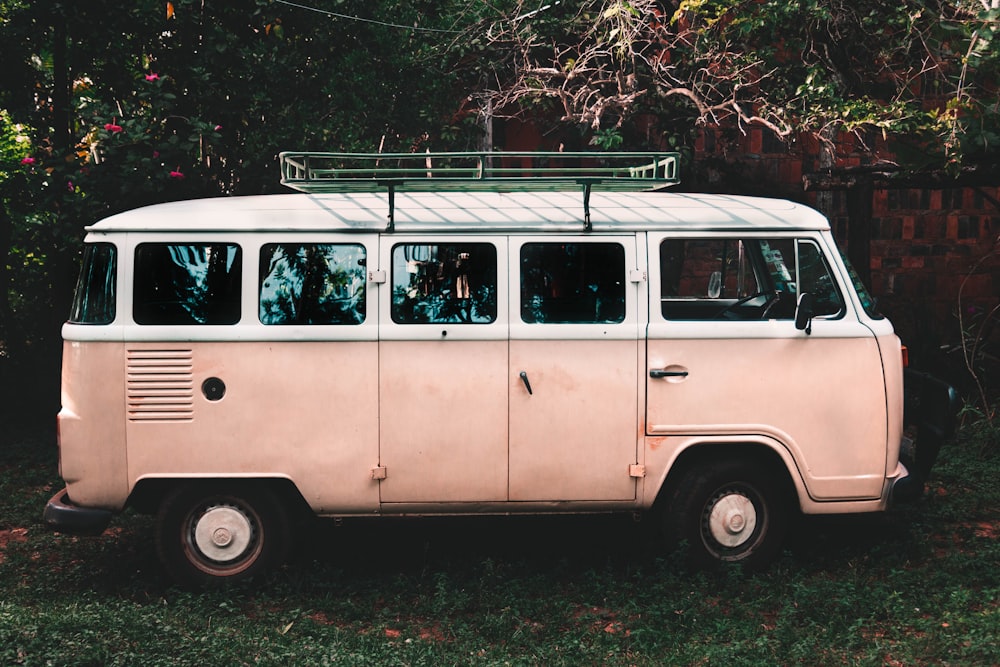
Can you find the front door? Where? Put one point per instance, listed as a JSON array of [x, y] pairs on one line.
[[442, 371], [725, 358], [573, 378]]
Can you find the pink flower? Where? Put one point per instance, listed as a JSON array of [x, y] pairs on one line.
[[28, 160], [152, 76], [218, 127], [176, 175], [156, 154], [69, 186], [112, 128]]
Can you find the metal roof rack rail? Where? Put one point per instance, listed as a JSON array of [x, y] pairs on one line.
[[544, 171]]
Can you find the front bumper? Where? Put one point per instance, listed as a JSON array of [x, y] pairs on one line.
[[61, 514], [930, 411]]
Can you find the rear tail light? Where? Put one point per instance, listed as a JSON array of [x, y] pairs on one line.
[[906, 356]]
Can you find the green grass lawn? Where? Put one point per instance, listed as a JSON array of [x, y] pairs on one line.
[[916, 586]]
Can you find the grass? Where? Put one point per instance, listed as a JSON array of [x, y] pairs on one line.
[[916, 586]]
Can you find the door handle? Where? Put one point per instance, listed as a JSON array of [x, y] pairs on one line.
[[524, 379], [661, 373]]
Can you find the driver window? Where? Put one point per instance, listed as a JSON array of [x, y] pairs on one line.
[[744, 279], [700, 278]]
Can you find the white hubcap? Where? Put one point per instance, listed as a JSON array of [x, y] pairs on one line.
[[732, 520], [223, 534]]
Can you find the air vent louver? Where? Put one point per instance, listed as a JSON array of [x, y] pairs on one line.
[[160, 385]]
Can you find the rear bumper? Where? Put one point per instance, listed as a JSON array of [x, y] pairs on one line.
[[61, 514], [930, 412]]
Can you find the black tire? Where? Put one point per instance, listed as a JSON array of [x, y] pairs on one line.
[[729, 512], [211, 534]]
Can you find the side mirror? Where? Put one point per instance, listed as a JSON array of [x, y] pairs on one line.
[[804, 313]]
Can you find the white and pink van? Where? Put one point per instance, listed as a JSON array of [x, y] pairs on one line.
[[404, 341]]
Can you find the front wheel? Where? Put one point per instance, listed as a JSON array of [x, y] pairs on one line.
[[209, 535], [729, 512]]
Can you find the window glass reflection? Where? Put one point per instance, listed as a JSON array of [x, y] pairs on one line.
[[444, 283], [312, 284], [187, 283]]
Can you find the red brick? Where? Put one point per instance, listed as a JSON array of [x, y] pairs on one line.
[[951, 228], [908, 223], [880, 202], [935, 200]]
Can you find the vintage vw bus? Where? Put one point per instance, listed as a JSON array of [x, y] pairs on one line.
[[475, 334]]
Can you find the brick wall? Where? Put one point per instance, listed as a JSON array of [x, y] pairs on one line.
[[929, 247]]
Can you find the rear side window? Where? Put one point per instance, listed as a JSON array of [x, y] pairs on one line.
[[303, 283], [194, 283], [94, 298], [444, 283], [572, 283]]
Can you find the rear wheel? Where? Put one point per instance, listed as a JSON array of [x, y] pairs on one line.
[[209, 534], [729, 512]]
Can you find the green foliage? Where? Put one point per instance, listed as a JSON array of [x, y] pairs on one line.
[[917, 77], [909, 70], [607, 139], [918, 585], [14, 148]]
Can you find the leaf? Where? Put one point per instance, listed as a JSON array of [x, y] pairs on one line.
[[170, 10]]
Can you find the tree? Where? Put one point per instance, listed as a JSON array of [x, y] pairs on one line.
[[919, 74]]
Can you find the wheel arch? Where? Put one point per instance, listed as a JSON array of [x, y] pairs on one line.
[[761, 451], [148, 493]]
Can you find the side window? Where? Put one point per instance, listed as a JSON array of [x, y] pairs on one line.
[[303, 283], [743, 279], [94, 298], [704, 279], [578, 283], [705, 269], [444, 283], [192, 283]]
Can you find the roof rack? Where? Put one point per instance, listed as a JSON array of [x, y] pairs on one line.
[[505, 171]]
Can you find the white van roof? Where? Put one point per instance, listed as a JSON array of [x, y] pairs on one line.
[[470, 212]]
